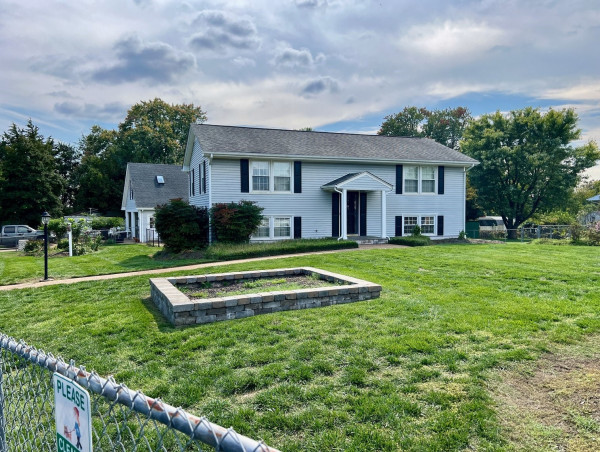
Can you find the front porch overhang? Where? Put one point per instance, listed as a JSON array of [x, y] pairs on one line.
[[365, 182]]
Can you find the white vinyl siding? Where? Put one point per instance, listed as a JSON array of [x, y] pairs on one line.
[[201, 198], [314, 204]]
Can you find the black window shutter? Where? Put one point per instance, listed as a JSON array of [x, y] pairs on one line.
[[245, 175], [440, 180], [399, 179], [399, 226], [335, 214], [440, 225], [363, 213], [205, 176], [193, 183], [297, 177], [297, 227]]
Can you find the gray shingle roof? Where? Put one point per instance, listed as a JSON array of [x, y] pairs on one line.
[[148, 193], [219, 140]]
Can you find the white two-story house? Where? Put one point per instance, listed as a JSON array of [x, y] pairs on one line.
[[319, 184]]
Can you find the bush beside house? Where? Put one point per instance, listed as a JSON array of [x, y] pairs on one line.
[[181, 226], [235, 222]]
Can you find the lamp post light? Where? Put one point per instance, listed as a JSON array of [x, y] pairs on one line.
[[45, 221]]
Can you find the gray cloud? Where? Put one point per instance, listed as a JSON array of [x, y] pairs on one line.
[[222, 31], [107, 111], [290, 57], [138, 60], [56, 65], [319, 86], [310, 4]]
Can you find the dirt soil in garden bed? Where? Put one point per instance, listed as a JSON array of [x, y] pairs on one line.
[[246, 286]]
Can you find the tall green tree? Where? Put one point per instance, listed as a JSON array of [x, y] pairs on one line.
[[527, 163], [152, 132], [447, 126], [156, 132], [30, 183], [67, 159], [98, 177], [407, 123]]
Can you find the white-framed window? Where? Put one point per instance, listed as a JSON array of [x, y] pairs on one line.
[[427, 179], [425, 222], [271, 177], [427, 225], [282, 227], [409, 225], [282, 176], [260, 176], [411, 179], [264, 229], [419, 179], [276, 227]]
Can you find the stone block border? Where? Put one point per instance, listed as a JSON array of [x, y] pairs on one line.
[[180, 310]]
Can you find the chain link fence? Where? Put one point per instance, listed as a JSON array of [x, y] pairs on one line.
[[528, 234], [122, 419]]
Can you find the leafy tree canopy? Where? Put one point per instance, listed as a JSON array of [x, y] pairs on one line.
[[527, 164], [29, 180], [152, 132], [156, 132], [444, 126]]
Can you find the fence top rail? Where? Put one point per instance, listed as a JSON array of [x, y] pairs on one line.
[[197, 428]]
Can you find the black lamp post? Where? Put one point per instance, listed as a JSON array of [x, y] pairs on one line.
[[45, 220]]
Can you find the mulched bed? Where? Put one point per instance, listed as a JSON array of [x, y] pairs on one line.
[[256, 285]]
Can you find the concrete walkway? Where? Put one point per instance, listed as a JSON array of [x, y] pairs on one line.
[[157, 271]]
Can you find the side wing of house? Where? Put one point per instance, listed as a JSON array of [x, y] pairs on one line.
[[199, 175]]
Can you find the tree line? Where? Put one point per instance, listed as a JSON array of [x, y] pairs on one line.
[[529, 168], [41, 174]]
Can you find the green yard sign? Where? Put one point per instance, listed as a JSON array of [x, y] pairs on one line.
[[73, 416]]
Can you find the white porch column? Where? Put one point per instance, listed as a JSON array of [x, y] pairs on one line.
[[132, 224], [344, 209], [127, 214], [383, 214]]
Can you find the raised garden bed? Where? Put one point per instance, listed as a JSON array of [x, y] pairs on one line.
[[227, 303]]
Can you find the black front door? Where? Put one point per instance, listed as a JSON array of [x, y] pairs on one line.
[[353, 205]]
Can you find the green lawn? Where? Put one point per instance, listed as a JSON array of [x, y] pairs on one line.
[[410, 370], [17, 268]]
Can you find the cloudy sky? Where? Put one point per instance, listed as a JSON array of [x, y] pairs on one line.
[[334, 65]]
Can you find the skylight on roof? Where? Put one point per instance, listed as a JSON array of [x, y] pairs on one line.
[[160, 179]]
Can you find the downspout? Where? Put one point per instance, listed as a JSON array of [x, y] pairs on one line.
[[340, 226]]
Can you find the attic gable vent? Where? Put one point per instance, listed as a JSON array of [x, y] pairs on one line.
[[160, 180]]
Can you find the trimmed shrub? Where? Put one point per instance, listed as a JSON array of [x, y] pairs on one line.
[[107, 222], [58, 226], [34, 247], [411, 240], [181, 226], [228, 251], [235, 222]]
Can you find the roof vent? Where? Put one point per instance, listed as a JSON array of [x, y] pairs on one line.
[[160, 180]]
